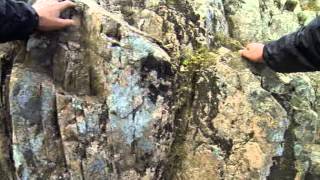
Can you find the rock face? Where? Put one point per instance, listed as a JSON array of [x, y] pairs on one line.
[[154, 89]]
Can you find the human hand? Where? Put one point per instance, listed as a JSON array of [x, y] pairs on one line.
[[49, 12], [253, 52]]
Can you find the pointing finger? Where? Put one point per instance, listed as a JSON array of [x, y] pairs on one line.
[[244, 53], [241, 52]]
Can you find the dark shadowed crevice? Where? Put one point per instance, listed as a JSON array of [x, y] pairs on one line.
[[204, 119], [181, 124], [152, 68], [59, 136], [290, 5], [191, 98], [284, 166], [184, 9], [6, 127], [104, 119], [310, 176], [164, 72], [228, 12]]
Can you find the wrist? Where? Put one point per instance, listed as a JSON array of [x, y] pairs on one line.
[[36, 18], [264, 54], [260, 58]]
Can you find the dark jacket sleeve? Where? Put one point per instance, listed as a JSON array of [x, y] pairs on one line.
[[296, 52], [17, 20]]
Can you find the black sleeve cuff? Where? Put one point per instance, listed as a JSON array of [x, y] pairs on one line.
[[30, 22], [266, 57], [35, 20], [18, 20]]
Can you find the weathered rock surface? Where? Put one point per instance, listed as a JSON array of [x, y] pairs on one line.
[[155, 89]]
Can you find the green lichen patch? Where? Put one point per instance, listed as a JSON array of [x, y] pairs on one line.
[[172, 2], [200, 58], [302, 18], [228, 42], [305, 17], [312, 5]]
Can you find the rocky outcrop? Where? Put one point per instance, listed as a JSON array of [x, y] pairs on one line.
[[156, 90]]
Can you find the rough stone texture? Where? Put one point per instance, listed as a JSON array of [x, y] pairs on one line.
[[154, 89]]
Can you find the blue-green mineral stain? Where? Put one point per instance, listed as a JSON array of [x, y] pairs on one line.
[[19, 161], [77, 104], [130, 109], [298, 148], [142, 48], [217, 152], [82, 127], [277, 134], [279, 150], [131, 118], [99, 166], [37, 143]]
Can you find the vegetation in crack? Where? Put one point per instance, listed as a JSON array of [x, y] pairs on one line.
[[312, 5], [193, 61], [182, 111], [190, 111], [228, 42]]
